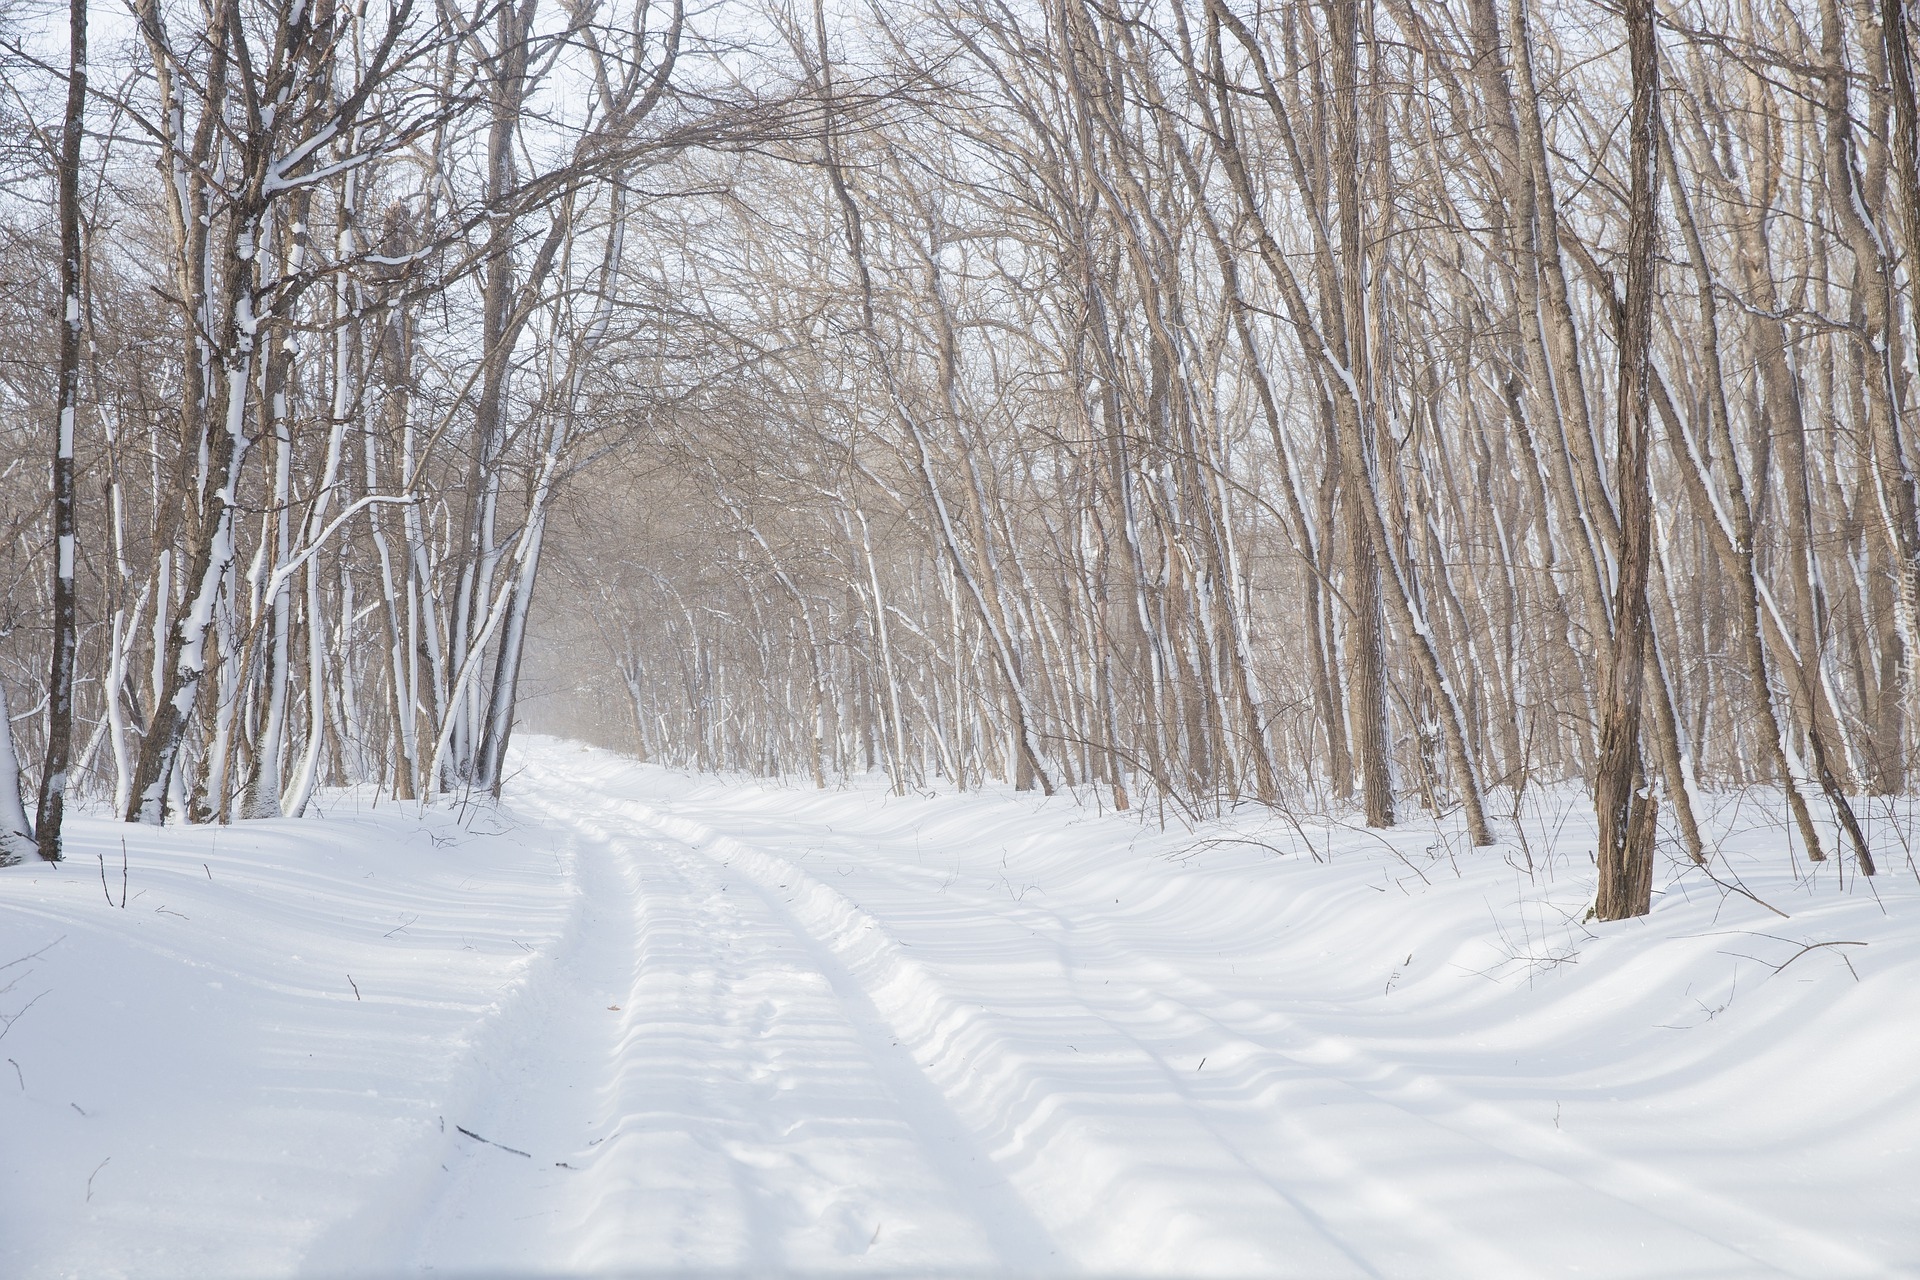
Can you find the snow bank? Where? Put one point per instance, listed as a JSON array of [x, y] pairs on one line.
[[690, 1024], [267, 1035], [1260, 1047]]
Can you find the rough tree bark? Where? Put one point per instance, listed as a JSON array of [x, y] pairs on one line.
[[53, 776], [1621, 796]]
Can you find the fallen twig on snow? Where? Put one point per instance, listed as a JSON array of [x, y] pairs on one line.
[[8, 1019], [1815, 946], [490, 1142], [1742, 890], [35, 955]]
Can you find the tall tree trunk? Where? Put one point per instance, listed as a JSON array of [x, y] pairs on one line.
[[1367, 650], [1621, 797], [53, 776]]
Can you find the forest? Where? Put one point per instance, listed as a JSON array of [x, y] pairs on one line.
[[1322, 405], [956, 638]]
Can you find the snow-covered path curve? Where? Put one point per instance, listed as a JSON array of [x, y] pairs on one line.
[[868, 1065], [742, 1105], [634, 1022]]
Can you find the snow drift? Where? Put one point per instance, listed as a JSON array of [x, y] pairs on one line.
[[633, 1021]]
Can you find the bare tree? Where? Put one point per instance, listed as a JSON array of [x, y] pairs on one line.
[[53, 775], [1621, 797]]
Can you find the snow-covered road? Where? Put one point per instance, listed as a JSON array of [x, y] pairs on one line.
[[722, 1088], [737, 1028]]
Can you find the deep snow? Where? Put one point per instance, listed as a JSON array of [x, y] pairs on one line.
[[633, 1021]]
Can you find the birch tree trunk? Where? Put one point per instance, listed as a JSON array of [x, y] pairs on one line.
[[16, 832], [66, 627]]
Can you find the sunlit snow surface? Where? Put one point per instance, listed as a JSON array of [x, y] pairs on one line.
[[639, 1023]]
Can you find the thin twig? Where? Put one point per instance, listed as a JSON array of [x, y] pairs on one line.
[[35, 955], [10, 1019], [1815, 946], [1742, 890], [1390, 849], [490, 1142]]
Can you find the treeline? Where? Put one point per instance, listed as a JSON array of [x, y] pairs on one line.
[[1226, 403], [342, 277], [1379, 401]]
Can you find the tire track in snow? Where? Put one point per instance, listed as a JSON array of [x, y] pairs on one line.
[[1433, 1171], [968, 1175], [754, 1111], [531, 1075], [1112, 1206]]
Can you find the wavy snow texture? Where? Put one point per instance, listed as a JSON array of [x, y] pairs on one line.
[[738, 1027]]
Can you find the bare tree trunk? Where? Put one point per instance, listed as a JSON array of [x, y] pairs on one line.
[[53, 775], [1896, 490], [1625, 805], [16, 833], [1367, 650]]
